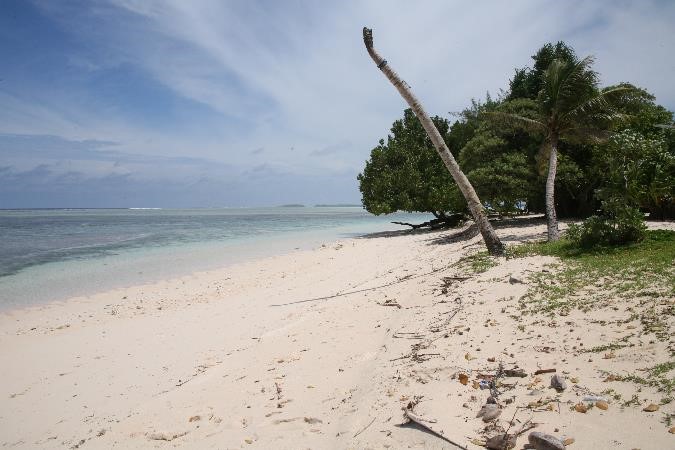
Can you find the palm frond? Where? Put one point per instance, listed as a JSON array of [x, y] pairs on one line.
[[598, 108], [585, 134], [515, 120], [565, 83]]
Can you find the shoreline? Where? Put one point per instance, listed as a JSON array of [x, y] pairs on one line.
[[314, 348], [61, 280]]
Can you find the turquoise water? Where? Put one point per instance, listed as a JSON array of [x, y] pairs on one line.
[[50, 255]]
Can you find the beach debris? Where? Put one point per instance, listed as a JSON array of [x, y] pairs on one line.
[[410, 416], [484, 384], [489, 412], [568, 441], [594, 398], [491, 400], [501, 442], [280, 421], [651, 408], [390, 302], [166, 436], [542, 371], [507, 440], [514, 373], [463, 378], [469, 357], [672, 430], [248, 441], [312, 420], [364, 428], [194, 418], [580, 407], [558, 383], [602, 405], [541, 441]]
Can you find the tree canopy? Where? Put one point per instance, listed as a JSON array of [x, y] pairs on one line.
[[507, 165]]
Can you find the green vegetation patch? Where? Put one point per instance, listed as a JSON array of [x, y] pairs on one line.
[[642, 275], [591, 278], [477, 263]]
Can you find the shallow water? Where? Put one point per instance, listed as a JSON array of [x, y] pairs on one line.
[[55, 254]]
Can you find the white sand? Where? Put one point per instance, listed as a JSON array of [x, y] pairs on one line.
[[209, 361]]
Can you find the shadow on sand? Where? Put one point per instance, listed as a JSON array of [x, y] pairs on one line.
[[467, 232]]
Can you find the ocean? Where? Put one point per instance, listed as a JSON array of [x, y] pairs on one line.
[[55, 254]]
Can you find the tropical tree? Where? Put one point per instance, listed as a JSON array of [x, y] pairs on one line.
[[570, 108], [404, 173], [492, 242]]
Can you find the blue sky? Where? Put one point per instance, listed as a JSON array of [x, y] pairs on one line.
[[173, 103]]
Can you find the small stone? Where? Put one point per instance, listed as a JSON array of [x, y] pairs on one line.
[[541, 441], [672, 430], [580, 407], [568, 441], [574, 380], [491, 359], [491, 400], [558, 383], [651, 408], [501, 441], [489, 412], [463, 378], [602, 405], [515, 280]]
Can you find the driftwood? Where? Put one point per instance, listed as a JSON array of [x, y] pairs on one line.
[[514, 373], [438, 223], [412, 417], [540, 371], [365, 428], [390, 302]]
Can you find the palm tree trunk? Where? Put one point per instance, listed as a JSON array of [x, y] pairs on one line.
[[492, 242], [552, 220]]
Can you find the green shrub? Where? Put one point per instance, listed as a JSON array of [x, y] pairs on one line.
[[625, 226]]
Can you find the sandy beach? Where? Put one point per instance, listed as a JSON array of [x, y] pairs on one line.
[[321, 349]]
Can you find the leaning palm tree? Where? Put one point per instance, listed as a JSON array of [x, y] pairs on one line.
[[492, 242], [571, 108]]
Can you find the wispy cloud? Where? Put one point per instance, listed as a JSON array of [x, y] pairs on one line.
[[212, 80]]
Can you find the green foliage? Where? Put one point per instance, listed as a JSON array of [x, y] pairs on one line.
[[498, 159], [626, 226], [638, 171], [613, 148], [527, 82], [405, 173]]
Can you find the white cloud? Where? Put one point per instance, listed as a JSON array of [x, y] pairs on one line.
[[294, 75]]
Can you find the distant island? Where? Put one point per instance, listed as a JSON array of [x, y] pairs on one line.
[[337, 205], [292, 205]]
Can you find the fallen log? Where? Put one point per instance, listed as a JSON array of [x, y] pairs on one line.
[[438, 223]]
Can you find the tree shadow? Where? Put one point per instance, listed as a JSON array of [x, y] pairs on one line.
[[465, 232], [395, 233]]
